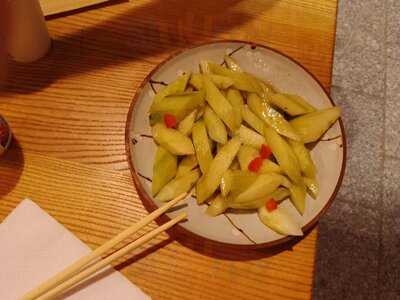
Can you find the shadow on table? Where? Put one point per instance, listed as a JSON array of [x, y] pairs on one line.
[[212, 250], [140, 33], [237, 254], [220, 253], [144, 253], [11, 167]]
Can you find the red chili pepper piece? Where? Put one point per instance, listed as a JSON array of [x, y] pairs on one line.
[[271, 205], [265, 151], [255, 164], [169, 120]]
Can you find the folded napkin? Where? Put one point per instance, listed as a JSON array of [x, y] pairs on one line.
[[34, 246]]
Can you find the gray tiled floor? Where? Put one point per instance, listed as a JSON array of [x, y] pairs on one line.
[[359, 63], [390, 261], [364, 135], [392, 145], [393, 35], [358, 253]]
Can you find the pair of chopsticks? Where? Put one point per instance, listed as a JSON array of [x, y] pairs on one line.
[[81, 269]]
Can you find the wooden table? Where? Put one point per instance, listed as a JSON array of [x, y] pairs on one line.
[[68, 114]]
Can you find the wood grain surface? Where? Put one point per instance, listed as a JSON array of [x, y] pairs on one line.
[[68, 113]]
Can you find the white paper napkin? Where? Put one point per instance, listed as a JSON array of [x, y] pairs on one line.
[[34, 246]]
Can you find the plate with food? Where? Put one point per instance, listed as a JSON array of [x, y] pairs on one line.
[[249, 132]]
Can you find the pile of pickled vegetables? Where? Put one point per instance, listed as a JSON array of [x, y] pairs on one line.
[[239, 141]]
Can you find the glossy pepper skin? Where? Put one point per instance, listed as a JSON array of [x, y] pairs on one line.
[[271, 205], [265, 151], [255, 164], [170, 121]]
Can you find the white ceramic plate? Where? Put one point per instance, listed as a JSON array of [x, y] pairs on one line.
[[237, 230]]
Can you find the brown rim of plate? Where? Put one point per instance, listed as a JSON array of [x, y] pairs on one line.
[[9, 137], [180, 233]]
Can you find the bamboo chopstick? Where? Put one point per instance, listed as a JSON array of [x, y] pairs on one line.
[[80, 263], [103, 263]]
